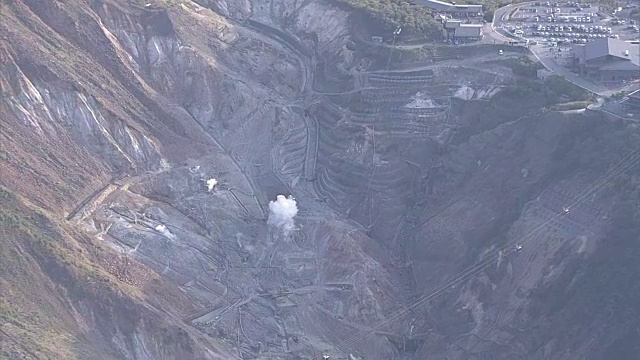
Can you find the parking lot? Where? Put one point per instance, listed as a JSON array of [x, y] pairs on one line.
[[552, 30], [557, 24]]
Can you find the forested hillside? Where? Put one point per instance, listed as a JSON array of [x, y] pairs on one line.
[[393, 13], [414, 19]]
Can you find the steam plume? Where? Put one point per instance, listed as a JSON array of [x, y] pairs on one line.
[[162, 229], [281, 213], [211, 183]]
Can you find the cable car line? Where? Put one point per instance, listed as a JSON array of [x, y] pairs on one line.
[[625, 164]]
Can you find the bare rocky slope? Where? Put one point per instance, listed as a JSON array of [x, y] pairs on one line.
[[416, 174]]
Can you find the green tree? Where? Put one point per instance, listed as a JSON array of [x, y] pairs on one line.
[[391, 14], [488, 15]]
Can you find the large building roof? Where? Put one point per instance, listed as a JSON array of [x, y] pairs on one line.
[[468, 30], [613, 47], [452, 24], [619, 64], [448, 7]]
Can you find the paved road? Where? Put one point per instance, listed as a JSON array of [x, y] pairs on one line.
[[453, 63], [499, 17], [551, 65], [491, 36]]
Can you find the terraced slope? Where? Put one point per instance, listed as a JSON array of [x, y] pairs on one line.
[[360, 169]]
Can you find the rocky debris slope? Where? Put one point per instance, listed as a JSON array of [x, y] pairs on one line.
[[149, 138], [114, 121]]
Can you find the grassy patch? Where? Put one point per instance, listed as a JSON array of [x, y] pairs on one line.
[[29, 313], [8, 314], [39, 265], [559, 88], [523, 66], [553, 90], [62, 259]]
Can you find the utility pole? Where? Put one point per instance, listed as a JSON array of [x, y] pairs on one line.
[[396, 32]]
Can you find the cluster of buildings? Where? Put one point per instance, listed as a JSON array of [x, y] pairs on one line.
[[456, 19], [458, 31]]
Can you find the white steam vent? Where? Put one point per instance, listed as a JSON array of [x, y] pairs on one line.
[[211, 183], [162, 229], [281, 213]]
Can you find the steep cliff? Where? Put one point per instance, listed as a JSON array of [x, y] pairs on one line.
[[441, 215]]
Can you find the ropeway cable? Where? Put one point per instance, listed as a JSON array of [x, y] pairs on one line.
[[465, 274], [626, 163]]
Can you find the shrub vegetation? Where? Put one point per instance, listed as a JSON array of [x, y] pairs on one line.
[[391, 14]]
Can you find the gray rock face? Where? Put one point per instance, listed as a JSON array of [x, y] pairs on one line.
[[405, 235]]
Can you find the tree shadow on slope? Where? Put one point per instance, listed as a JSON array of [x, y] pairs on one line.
[[598, 297]]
